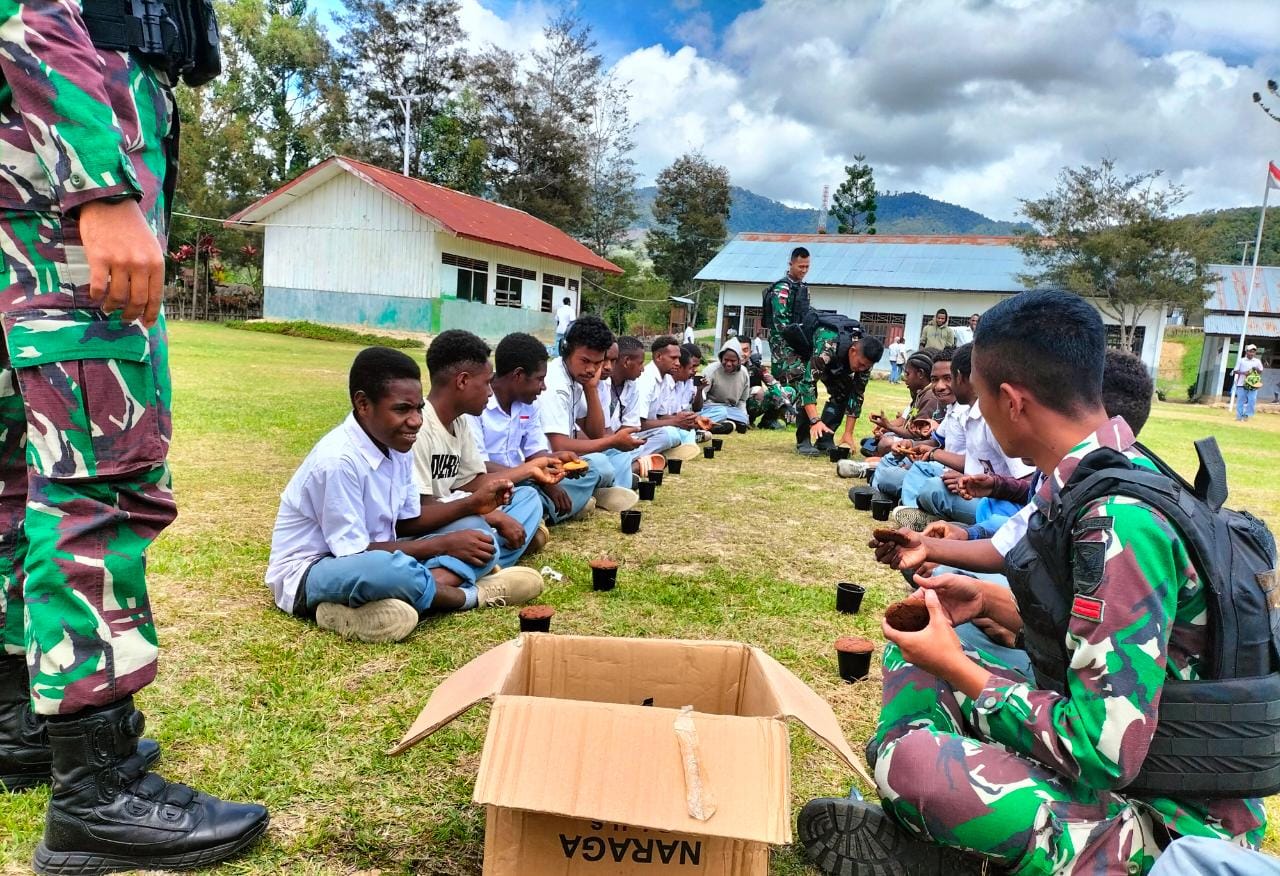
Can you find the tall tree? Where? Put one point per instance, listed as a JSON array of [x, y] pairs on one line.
[[453, 147], [691, 210], [611, 171], [1113, 239], [854, 205], [397, 48]]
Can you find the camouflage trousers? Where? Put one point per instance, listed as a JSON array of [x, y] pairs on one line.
[[773, 403], [84, 487], [945, 782]]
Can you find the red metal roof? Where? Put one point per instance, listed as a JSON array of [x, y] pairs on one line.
[[463, 215], [943, 239]]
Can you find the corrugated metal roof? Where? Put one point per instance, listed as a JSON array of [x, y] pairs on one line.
[[962, 263], [1264, 326], [1232, 281], [464, 215]]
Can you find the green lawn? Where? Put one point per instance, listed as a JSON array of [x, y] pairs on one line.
[[251, 704]]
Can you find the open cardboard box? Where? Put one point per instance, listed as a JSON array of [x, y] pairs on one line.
[[592, 763]]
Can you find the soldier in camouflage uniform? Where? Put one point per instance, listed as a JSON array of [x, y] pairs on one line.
[[970, 756], [85, 143], [769, 401], [785, 302], [845, 381]]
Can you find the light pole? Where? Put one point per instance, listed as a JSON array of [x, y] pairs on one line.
[[406, 103], [1244, 255]]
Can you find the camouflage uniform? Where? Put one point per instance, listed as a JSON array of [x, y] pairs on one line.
[[1027, 776], [84, 397], [844, 392], [786, 365], [776, 401]]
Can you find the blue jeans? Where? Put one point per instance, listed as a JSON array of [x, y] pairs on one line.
[[1202, 856], [918, 477], [664, 438], [895, 371], [1246, 400], [621, 462], [933, 497], [720, 413], [889, 475], [580, 489]]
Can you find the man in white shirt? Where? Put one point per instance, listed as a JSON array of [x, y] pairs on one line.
[[669, 434], [564, 319], [897, 358], [891, 471], [343, 548], [688, 333]]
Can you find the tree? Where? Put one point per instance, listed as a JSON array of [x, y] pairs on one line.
[[453, 147], [1113, 239], [691, 210], [855, 199], [611, 173], [403, 47]]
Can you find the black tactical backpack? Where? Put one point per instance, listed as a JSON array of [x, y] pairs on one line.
[[799, 303]]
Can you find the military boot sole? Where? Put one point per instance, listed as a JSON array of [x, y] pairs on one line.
[[38, 776], [86, 864], [847, 837]]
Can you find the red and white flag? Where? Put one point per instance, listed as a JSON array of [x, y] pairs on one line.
[[1273, 177]]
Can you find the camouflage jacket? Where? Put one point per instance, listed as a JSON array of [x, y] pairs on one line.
[[1152, 626], [73, 119], [783, 295], [845, 390]]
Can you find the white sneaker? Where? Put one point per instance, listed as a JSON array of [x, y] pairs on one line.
[[586, 510], [615, 499], [913, 518], [514, 586], [684, 452], [383, 620], [851, 468]]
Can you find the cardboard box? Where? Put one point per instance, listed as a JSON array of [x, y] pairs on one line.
[[612, 755]]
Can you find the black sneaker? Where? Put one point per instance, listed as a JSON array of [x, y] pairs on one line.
[[722, 428], [807, 449], [842, 836]]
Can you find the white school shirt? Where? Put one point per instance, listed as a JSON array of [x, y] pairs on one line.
[[508, 438], [444, 459], [982, 453], [619, 411], [677, 397], [649, 389], [952, 428], [563, 403], [564, 318], [346, 495], [1013, 530]]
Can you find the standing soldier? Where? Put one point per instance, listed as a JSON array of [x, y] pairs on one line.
[[786, 302], [88, 139]]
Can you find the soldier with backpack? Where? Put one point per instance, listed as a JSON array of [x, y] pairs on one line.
[[1145, 611], [786, 303], [838, 355]]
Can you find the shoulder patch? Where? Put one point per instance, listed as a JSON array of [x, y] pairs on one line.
[[1088, 608]]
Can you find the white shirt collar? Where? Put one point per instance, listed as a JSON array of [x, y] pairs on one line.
[[364, 443]]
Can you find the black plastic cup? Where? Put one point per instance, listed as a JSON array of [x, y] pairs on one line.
[[835, 454], [605, 579], [862, 498], [631, 522], [674, 465], [536, 624], [655, 477], [854, 666], [880, 508], [647, 489], [849, 597], [717, 444], [709, 452]]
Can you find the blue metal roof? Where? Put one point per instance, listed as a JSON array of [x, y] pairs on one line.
[[960, 263], [1263, 326], [1229, 287]]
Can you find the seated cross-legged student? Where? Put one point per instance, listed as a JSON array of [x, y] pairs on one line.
[[451, 473], [573, 417], [727, 388], [917, 374], [343, 549], [617, 388], [672, 434], [892, 469]]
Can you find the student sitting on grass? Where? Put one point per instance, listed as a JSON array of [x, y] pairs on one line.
[[510, 431], [669, 434], [917, 374], [728, 387], [690, 389], [343, 549], [973, 759], [892, 469], [617, 388], [573, 414]]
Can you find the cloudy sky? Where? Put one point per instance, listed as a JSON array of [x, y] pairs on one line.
[[976, 102]]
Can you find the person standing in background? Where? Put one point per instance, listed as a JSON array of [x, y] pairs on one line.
[[1248, 372]]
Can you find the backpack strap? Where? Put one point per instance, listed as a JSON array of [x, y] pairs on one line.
[[1211, 479]]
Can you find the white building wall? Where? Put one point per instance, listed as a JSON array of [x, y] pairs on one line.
[[531, 294], [916, 304], [347, 236]]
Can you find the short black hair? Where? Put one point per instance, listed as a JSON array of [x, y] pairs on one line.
[[518, 350], [630, 346], [941, 355], [943, 311], [871, 347], [1127, 388], [566, 299], [690, 351], [799, 253], [662, 342], [588, 331], [1049, 342], [962, 360], [452, 351], [375, 367]]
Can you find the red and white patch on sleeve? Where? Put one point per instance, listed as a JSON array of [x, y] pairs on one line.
[[1088, 608]]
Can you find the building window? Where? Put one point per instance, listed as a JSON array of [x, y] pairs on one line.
[[1139, 335], [751, 321], [573, 285], [509, 291], [473, 276], [551, 282], [885, 326], [952, 320]]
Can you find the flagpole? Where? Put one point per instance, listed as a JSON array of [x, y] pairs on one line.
[[1248, 295]]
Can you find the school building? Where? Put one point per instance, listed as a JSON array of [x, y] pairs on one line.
[[1223, 319], [350, 243], [892, 284]]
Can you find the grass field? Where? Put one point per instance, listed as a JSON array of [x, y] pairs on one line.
[[251, 704]]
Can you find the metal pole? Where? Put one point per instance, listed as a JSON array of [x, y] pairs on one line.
[[1248, 295], [406, 103], [1246, 244]]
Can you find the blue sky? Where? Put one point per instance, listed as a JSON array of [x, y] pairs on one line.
[[976, 103]]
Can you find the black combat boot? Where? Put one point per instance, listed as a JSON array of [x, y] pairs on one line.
[[24, 742], [108, 813]]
